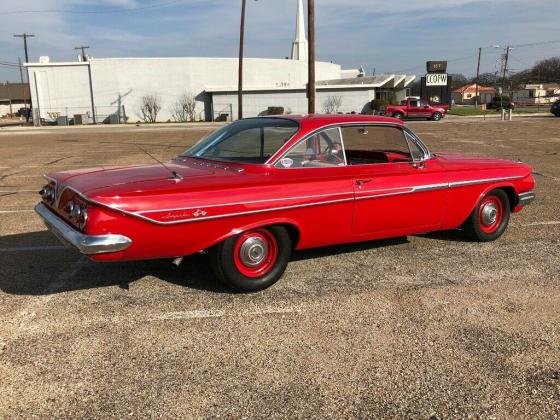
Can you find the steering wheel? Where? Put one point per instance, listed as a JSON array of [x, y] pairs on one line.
[[334, 153]]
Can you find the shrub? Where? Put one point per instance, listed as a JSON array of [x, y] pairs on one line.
[[499, 102]]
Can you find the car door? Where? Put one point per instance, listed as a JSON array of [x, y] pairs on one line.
[[398, 189], [313, 178], [414, 109]]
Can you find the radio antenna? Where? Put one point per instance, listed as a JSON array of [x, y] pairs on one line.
[[174, 174]]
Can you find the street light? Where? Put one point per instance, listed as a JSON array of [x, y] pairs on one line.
[[241, 42], [478, 71]]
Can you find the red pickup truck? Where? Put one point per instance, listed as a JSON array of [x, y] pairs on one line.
[[417, 108]]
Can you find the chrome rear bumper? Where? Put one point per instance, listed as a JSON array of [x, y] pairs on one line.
[[526, 198], [86, 244]]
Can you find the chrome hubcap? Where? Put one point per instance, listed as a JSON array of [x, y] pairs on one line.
[[489, 214], [253, 251]]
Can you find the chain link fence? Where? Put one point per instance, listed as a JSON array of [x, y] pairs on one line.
[[79, 115]]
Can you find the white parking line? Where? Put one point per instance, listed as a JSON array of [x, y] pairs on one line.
[[219, 313], [33, 248], [545, 223]]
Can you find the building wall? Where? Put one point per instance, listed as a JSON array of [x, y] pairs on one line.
[[126, 80], [60, 89], [293, 101]]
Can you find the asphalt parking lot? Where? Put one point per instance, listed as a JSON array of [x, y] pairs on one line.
[[417, 327]]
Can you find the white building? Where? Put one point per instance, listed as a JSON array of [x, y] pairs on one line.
[[115, 86]]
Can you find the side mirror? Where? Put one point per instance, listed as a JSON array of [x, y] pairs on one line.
[[426, 106]]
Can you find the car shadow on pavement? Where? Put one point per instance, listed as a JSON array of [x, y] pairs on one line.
[[453, 235], [37, 264]]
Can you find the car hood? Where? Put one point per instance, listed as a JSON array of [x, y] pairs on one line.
[[90, 180]]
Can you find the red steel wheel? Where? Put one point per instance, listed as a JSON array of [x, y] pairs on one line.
[[255, 253], [252, 260], [490, 218], [490, 214]]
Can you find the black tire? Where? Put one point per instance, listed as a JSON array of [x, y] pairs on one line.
[[398, 115], [437, 116], [227, 261], [479, 227]]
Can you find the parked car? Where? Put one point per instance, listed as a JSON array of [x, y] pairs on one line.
[[255, 190], [417, 108], [555, 108]]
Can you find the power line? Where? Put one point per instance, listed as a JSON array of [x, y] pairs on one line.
[[535, 44], [89, 12]]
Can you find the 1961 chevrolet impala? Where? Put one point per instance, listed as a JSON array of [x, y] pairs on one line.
[[253, 191]]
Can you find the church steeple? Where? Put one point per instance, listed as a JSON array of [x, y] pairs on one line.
[[300, 46]]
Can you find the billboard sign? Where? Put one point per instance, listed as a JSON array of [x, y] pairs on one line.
[[436, 79], [436, 66]]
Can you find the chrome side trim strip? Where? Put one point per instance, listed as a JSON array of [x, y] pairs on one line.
[[482, 181], [86, 244], [526, 198], [243, 203]]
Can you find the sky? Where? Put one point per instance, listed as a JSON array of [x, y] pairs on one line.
[[385, 36]]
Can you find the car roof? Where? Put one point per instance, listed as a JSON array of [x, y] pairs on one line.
[[328, 119]]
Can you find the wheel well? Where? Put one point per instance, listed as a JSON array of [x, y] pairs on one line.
[[512, 196], [293, 232]]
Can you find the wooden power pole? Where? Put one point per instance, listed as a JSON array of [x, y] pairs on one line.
[[311, 56]]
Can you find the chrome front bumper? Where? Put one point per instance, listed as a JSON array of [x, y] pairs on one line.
[[86, 244], [526, 198]]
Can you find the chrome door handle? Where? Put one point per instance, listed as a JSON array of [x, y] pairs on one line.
[[360, 182]]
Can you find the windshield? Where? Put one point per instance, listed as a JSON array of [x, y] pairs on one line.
[[245, 141]]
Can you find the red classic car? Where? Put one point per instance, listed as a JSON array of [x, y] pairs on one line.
[[255, 190]]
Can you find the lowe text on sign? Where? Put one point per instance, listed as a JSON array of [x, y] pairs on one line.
[[436, 79]]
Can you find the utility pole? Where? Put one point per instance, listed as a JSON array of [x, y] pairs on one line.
[[477, 78], [83, 48], [311, 56], [506, 58], [25, 36], [241, 42], [504, 72], [22, 85]]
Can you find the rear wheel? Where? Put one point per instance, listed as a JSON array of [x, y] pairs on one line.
[[398, 115], [489, 219], [437, 116], [253, 260]]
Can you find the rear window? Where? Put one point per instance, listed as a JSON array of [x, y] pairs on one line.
[[246, 141]]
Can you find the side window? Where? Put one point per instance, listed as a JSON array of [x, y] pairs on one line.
[[375, 144], [415, 151], [414, 104], [320, 150]]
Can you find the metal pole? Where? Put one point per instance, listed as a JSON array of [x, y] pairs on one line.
[[241, 41], [9, 96], [311, 56], [477, 78], [91, 92], [22, 84], [504, 75]]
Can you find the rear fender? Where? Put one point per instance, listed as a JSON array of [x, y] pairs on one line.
[[260, 224]]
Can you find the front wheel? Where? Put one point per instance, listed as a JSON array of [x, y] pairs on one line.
[[489, 219], [437, 116], [252, 260]]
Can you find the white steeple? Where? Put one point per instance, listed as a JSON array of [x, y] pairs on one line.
[[300, 46]]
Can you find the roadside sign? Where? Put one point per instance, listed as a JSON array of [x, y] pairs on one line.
[[436, 79]]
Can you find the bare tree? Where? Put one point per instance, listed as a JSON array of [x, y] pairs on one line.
[[332, 104], [184, 109], [150, 108]]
